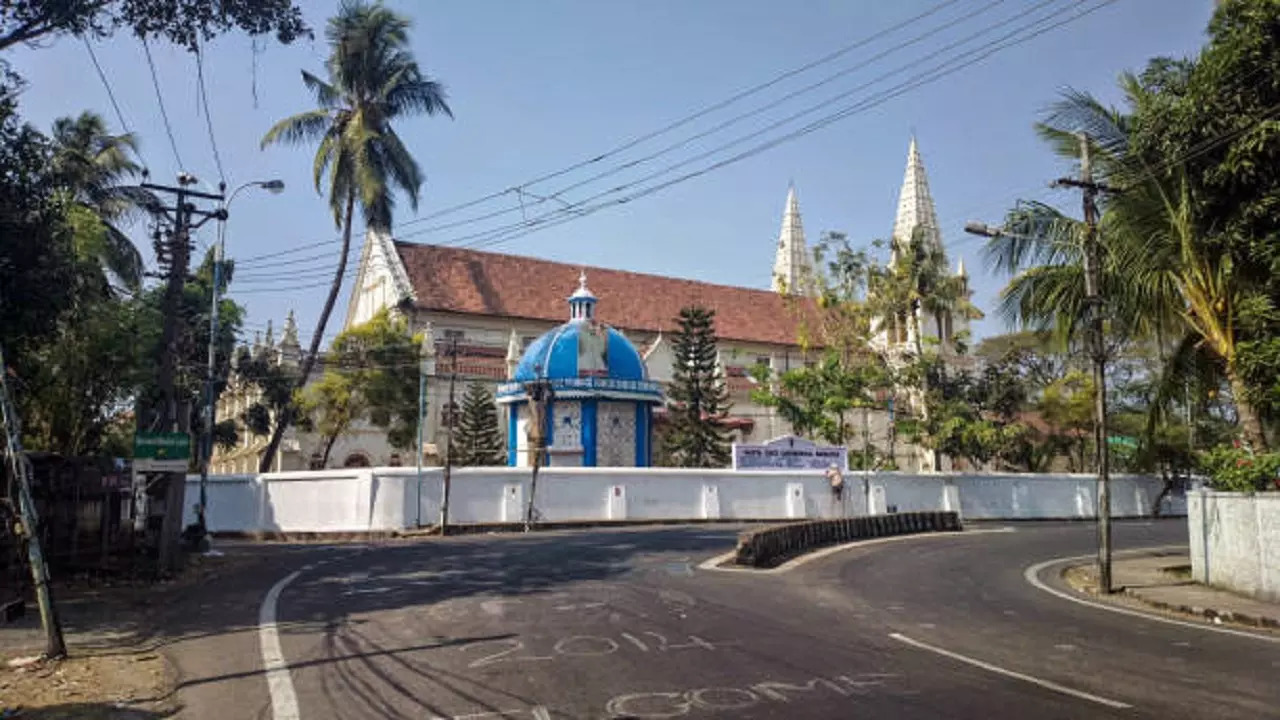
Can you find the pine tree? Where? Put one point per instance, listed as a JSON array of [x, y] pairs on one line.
[[479, 439], [699, 400]]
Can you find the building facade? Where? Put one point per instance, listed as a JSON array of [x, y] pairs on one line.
[[480, 312]]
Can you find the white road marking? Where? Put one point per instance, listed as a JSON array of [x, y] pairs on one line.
[[284, 701], [1047, 684], [1032, 575], [715, 562]]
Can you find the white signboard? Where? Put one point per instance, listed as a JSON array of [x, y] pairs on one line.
[[789, 453]]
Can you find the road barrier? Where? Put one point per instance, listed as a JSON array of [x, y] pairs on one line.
[[769, 546]]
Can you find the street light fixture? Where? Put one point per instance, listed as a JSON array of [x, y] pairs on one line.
[[275, 187]]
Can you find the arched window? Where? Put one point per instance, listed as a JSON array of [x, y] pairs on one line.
[[356, 459]]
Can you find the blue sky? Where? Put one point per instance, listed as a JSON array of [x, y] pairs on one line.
[[539, 86]]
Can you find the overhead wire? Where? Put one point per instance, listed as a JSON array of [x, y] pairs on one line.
[[164, 114], [733, 120], [208, 117], [111, 95], [947, 67], [681, 122]]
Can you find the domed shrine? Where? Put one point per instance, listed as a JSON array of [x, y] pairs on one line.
[[601, 408]]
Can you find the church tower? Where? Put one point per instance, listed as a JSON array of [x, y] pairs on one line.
[[917, 214], [791, 274]]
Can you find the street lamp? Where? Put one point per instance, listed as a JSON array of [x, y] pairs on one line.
[[275, 187]]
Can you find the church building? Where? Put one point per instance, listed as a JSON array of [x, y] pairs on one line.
[[500, 319]]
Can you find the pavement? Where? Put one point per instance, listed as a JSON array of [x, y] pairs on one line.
[[1162, 580], [624, 623]]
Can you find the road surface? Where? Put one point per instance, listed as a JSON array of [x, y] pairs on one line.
[[625, 624]]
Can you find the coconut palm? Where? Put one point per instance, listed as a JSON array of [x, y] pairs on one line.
[[1160, 280], [372, 81], [91, 166]]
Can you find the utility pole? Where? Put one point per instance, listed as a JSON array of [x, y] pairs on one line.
[[1097, 345], [176, 253], [20, 472], [449, 422], [425, 352], [209, 417], [1097, 350], [540, 394]]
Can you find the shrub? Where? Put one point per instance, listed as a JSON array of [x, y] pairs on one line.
[[1239, 470]]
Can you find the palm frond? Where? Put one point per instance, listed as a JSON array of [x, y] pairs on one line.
[[310, 125], [420, 95], [327, 96]]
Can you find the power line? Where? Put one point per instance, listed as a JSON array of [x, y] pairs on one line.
[[947, 67], [208, 119], [290, 251], [155, 83], [556, 195], [111, 95], [690, 118]]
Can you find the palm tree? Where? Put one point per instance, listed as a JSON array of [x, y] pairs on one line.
[[373, 80], [91, 165], [1161, 281]]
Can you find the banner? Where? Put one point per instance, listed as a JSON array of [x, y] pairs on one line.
[[789, 453]]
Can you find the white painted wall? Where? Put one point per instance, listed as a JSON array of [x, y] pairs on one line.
[[1235, 541], [388, 499]]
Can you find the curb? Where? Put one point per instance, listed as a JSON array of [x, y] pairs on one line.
[[1207, 613]]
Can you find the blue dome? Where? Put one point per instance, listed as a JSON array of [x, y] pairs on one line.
[[579, 349]]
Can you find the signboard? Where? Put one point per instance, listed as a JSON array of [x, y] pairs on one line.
[[161, 452], [789, 453]]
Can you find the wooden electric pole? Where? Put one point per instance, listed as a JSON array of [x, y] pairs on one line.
[[173, 248], [1097, 351], [448, 443], [19, 467], [540, 395]]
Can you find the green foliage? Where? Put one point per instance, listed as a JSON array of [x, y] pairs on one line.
[[479, 438], [184, 22], [380, 358], [698, 400], [371, 375], [819, 401], [328, 407], [1239, 470]]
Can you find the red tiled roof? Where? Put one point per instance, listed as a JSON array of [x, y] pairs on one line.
[[459, 280]]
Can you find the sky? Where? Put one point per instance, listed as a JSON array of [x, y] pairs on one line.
[[537, 88]]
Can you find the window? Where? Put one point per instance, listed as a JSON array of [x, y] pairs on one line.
[[526, 341], [762, 360], [454, 335]]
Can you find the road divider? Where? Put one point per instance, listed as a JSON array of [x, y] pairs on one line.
[[769, 546]]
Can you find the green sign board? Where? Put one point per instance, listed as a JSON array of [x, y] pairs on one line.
[[1122, 441], [161, 451]]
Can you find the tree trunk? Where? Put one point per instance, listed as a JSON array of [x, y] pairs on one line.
[[328, 448], [309, 360], [1250, 421]]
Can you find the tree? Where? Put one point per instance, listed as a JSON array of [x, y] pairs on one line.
[[91, 167], [373, 81], [184, 22], [698, 401], [328, 407], [371, 375], [817, 400], [479, 438], [1192, 239]]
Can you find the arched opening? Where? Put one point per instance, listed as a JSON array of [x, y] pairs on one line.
[[356, 459]]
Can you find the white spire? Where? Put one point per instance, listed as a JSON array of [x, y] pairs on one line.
[[915, 203], [791, 264], [960, 269]]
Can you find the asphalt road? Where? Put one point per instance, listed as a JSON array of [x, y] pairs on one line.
[[624, 624]]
